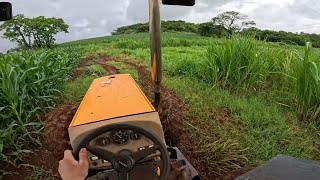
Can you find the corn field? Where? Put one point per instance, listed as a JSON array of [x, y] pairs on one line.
[[29, 86]]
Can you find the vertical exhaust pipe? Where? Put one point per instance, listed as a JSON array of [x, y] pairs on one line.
[[155, 42]]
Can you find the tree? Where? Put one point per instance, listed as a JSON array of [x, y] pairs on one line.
[[33, 32], [209, 29], [232, 21], [16, 30]]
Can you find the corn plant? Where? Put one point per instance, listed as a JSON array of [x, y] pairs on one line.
[[29, 85]]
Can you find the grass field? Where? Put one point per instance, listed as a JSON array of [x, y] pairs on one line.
[[256, 85], [245, 100]]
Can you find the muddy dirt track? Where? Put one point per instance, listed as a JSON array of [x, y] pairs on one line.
[[55, 136]]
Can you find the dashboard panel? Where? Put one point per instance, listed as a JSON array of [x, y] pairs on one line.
[[117, 141]]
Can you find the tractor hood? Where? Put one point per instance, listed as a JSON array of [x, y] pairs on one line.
[[111, 97]]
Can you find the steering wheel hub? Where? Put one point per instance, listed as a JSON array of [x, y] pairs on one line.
[[123, 163]]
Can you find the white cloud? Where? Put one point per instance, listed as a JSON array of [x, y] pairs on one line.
[[103, 22], [81, 24]]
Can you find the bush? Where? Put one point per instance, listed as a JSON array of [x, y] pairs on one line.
[[209, 29], [281, 36]]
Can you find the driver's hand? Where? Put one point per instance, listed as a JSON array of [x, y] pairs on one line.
[[70, 169]]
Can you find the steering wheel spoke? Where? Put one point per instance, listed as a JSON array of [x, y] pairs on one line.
[[123, 176], [140, 155], [103, 154]]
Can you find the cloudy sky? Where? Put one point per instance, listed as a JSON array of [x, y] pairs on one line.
[[100, 17]]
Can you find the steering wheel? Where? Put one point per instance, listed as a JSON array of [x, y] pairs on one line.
[[123, 163]]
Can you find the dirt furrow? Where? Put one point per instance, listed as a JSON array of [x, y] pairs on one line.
[[102, 62]]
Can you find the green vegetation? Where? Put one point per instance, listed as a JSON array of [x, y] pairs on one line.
[[259, 65], [284, 37], [307, 85], [75, 90], [223, 25], [209, 29], [29, 85], [96, 70], [232, 21], [166, 26], [246, 72], [246, 100], [242, 108], [39, 173]]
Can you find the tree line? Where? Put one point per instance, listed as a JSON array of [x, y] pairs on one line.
[[166, 26], [226, 24]]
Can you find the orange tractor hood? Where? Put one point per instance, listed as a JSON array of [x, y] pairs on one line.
[[111, 97]]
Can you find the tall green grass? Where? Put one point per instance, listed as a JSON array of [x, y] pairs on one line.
[[240, 63], [29, 85], [236, 63], [306, 73]]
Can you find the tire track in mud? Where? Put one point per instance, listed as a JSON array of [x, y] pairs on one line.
[[102, 62]]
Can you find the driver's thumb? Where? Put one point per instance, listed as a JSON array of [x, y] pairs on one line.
[[83, 157]]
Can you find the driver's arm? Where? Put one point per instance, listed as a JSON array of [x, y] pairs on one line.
[[70, 169]]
